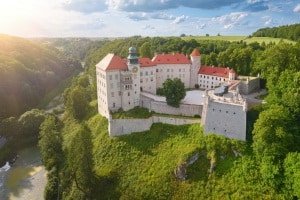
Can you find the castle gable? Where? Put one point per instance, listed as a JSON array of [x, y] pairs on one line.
[[171, 59], [112, 62], [214, 71], [195, 53]]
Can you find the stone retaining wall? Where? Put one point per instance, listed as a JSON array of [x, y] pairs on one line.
[[118, 127], [162, 107]]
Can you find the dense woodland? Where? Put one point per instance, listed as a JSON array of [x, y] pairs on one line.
[[28, 72], [83, 162], [291, 32]]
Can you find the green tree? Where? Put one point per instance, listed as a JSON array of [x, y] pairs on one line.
[[145, 50], [80, 161], [50, 142], [77, 104], [9, 127], [174, 91], [292, 175], [272, 133], [30, 122]]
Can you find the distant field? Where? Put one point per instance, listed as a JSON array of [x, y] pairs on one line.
[[238, 38]]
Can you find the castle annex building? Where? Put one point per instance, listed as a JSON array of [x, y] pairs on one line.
[[121, 81]]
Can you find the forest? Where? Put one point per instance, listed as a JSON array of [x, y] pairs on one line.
[[83, 162], [291, 32], [28, 72]]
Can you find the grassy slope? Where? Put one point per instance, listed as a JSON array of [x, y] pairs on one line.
[[239, 38], [141, 165]]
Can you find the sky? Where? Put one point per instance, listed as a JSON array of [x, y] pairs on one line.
[[123, 18]]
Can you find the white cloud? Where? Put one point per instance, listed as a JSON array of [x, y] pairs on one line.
[[180, 19], [297, 9], [230, 20]]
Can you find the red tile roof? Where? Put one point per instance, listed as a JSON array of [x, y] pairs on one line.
[[195, 53], [215, 71], [146, 62], [112, 62], [171, 59]]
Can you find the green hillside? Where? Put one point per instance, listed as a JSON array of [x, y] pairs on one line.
[[28, 71], [248, 40]]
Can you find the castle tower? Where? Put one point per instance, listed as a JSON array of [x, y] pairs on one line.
[[231, 75], [134, 71], [195, 66]]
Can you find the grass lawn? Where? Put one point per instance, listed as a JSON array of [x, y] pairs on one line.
[[141, 165], [238, 39]]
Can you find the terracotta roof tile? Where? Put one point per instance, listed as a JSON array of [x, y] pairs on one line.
[[146, 62], [112, 62], [171, 59], [195, 53], [214, 71]]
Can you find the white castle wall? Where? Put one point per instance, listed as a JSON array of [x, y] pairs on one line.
[[163, 107], [225, 119], [119, 127], [249, 85]]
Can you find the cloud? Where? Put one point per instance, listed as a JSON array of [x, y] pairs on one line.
[[230, 20], [256, 6], [180, 19], [84, 6], [297, 9], [140, 16], [148, 27], [87, 6]]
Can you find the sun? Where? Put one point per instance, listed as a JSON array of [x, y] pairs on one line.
[[14, 13]]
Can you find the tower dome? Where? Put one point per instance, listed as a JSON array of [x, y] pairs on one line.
[[132, 55]]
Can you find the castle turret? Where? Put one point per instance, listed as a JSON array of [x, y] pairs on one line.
[[134, 68], [195, 66], [231, 74]]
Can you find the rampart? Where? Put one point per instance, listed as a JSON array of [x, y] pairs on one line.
[[249, 85], [163, 107], [119, 127], [225, 116]]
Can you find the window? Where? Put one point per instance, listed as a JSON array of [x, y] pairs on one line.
[[179, 70], [112, 94], [110, 77], [168, 70], [146, 73], [114, 105], [128, 94], [111, 85], [141, 80], [116, 76], [156, 70], [151, 79], [141, 73]]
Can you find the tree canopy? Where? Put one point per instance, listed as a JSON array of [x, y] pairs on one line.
[[174, 91]]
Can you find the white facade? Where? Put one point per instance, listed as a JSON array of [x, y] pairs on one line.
[[120, 81]]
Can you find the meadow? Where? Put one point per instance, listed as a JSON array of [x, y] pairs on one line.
[[246, 39]]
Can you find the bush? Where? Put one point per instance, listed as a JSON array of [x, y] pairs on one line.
[[160, 92]]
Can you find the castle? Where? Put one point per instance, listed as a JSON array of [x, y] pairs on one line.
[[126, 83]]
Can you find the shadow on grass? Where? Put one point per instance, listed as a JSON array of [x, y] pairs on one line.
[[107, 187]]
